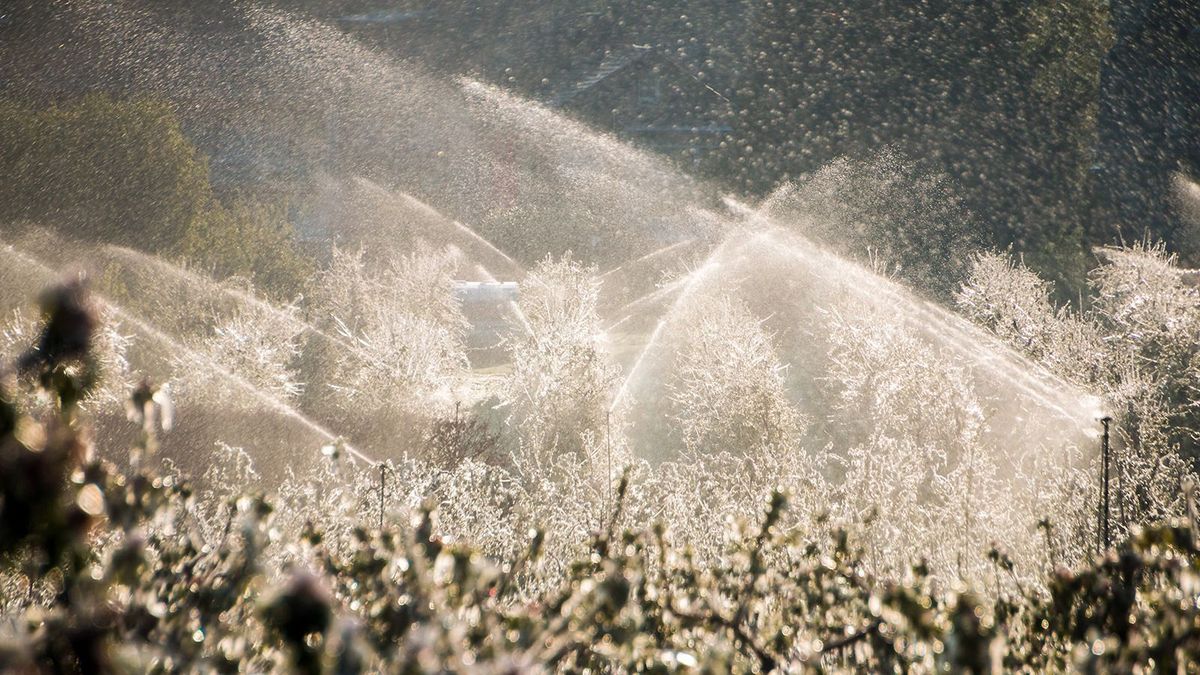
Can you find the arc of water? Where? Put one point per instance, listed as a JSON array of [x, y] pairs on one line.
[[657, 293], [232, 293], [662, 251], [264, 397], [1028, 377], [603, 151], [432, 212], [165, 340], [346, 340], [513, 305], [693, 281]]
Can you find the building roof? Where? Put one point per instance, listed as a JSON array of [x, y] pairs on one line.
[[615, 61], [384, 16]]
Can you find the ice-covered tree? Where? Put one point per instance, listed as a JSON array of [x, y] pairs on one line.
[[395, 334], [891, 384], [728, 385], [247, 349], [559, 389], [918, 470], [1014, 303], [1135, 345]]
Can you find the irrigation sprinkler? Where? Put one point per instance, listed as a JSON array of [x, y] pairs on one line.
[[1104, 531], [383, 468], [608, 474]]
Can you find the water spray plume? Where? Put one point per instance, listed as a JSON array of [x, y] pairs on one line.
[[968, 340], [669, 248], [238, 295], [693, 281], [449, 226], [175, 347], [628, 311]]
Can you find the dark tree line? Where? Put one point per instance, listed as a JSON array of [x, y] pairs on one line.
[[1002, 97], [1062, 123]]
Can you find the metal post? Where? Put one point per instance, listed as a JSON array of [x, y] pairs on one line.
[[1106, 530], [1120, 492], [382, 491], [608, 473]]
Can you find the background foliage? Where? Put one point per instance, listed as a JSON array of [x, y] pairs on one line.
[[123, 172]]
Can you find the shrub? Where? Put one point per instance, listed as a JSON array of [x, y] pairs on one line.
[[251, 239], [103, 170], [1135, 345], [106, 570], [558, 391]]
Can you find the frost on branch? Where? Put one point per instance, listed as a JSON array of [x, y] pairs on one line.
[[396, 334], [245, 349], [1135, 345], [918, 456], [728, 386], [558, 392]]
